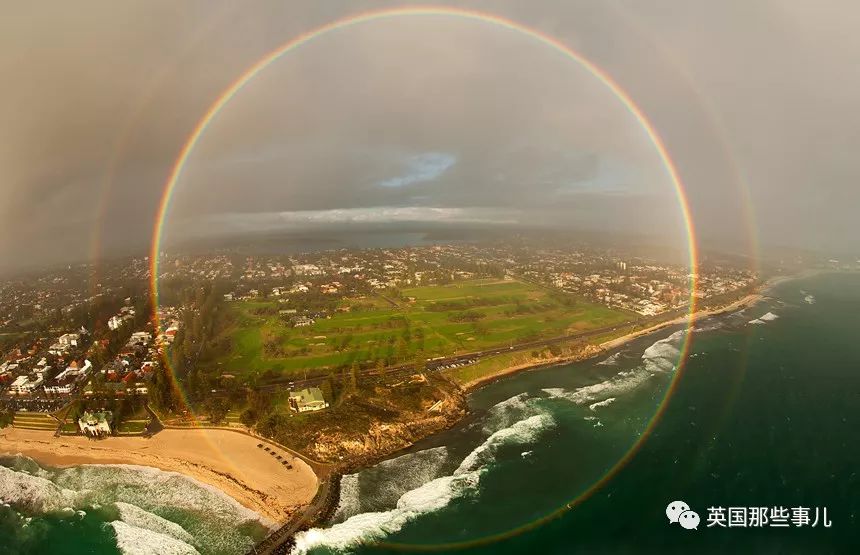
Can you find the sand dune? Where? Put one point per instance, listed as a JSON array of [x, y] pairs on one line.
[[227, 460]]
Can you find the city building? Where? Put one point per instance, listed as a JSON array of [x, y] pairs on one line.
[[307, 400]]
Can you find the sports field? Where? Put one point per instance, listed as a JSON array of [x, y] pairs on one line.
[[425, 322]]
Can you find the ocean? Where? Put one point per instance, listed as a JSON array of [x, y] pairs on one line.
[[110, 509], [763, 414]]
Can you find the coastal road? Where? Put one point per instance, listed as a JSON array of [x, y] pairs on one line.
[[441, 363]]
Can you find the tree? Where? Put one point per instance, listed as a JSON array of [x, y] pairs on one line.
[[161, 392], [216, 409], [353, 377], [248, 417]]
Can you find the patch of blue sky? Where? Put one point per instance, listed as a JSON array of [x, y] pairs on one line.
[[610, 176], [421, 168]]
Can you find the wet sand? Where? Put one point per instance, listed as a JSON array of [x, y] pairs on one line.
[[227, 460]]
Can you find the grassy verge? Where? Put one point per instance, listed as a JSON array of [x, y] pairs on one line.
[[426, 322]]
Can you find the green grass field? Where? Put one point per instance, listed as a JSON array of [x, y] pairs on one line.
[[426, 322]]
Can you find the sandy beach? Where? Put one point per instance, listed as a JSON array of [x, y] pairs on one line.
[[227, 460], [594, 350], [743, 302]]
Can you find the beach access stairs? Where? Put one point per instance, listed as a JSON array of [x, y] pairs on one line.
[[34, 421]]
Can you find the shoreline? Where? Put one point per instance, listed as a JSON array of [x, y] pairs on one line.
[[249, 486], [591, 351], [584, 353], [228, 461]]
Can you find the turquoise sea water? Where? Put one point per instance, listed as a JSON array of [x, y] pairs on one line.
[[109, 509], [765, 414]]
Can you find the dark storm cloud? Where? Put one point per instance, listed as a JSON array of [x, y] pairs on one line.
[[426, 118]]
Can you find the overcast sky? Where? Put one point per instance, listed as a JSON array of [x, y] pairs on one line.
[[431, 118]]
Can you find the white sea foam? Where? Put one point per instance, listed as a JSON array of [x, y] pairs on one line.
[[132, 540], [809, 299], [363, 527], [140, 518], [214, 515], [617, 385], [427, 498], [521, 432], [769, 317], [378, 488], [555, 392], [663, 355], [710, 326], [409, 471], [349, 503], [33, 492], [659, 358], [604, 403], [143, 485], [505, 413], [612, 360]]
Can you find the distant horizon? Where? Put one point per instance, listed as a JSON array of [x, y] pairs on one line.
[[344, 237]]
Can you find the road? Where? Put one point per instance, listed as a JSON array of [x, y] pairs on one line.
[[443, 362]]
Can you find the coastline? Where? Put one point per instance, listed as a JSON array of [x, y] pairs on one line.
[[743, 302], [591, 351], [292, 502], [228, 461], [586, 352]]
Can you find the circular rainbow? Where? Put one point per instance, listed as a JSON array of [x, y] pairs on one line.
[[540, 38]]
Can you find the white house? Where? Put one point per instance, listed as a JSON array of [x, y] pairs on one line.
[[142, 337], [307, 400], [95, 424], [64, 389], [23, 385], [69, 339]]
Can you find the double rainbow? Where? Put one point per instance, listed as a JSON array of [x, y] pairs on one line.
[[480, 17]]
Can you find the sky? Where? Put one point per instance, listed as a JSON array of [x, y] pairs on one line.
[[426, 119]]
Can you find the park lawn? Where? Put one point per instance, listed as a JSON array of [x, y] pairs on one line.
[[428, 322]]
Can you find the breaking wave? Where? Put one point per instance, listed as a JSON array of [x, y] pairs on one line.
[[523, 431], [34, 493], [769, 317], [660, 358], [603, 403], [140, 518], [137, 498], [132, 540], [350, 501], [505, 413], [379, 487], [427, 498], [663, 354], [612, 360], [613, 387]]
